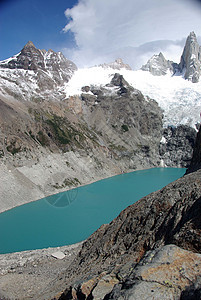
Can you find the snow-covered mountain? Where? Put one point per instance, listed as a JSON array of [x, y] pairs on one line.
[[35, 74], [189, 66]]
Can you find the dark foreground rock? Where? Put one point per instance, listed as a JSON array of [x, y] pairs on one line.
[[163, 273]]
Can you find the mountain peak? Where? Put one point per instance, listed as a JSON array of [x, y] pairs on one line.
[[192, 35], [118, 64], [51, 68], [190, 64], [157, 65], [29, 44]]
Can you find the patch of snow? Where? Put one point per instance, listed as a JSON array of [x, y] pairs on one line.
[[162, 164], [163, 140], [10, 58]]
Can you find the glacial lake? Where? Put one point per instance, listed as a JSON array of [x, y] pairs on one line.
[[70, 217]]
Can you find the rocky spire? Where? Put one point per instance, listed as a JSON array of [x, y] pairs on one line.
[[190, 64], [157, 65]]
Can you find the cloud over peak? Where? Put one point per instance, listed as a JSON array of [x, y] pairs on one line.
[[101, 28]]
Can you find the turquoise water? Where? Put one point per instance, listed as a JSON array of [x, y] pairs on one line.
[[70, 217]]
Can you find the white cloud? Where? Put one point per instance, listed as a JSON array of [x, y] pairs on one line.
[[102, 27]]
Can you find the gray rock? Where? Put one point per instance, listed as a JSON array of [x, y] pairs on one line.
[[196, 159], [118, 64], [157, 65], [176, 147], [190, 64], [165, 273]]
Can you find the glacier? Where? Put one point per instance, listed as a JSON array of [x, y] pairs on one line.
[[180, 99]]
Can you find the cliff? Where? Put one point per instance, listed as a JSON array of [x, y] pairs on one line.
[[196, 159]]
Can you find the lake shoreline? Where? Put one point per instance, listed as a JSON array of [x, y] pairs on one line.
[[57, 191]]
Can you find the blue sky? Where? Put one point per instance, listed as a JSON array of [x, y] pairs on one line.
[[90, 32], [40, 21]]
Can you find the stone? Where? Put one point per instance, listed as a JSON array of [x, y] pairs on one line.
[[104, 287], [58, 255]]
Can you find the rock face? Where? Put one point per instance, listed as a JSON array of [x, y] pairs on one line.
[[176, 147], [158, 65], [31, 58], [190, 64], [196, 160]]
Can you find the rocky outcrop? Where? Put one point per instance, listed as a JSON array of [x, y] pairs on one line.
[[190, 64], [157, 65], [118, 64], [176, 146], [196, 159], [163, 273]]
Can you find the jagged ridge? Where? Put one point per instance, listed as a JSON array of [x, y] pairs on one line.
[[189, 66]]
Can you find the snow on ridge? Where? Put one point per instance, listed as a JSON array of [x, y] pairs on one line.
[[96, 76], [5, 61], [180, 99]]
